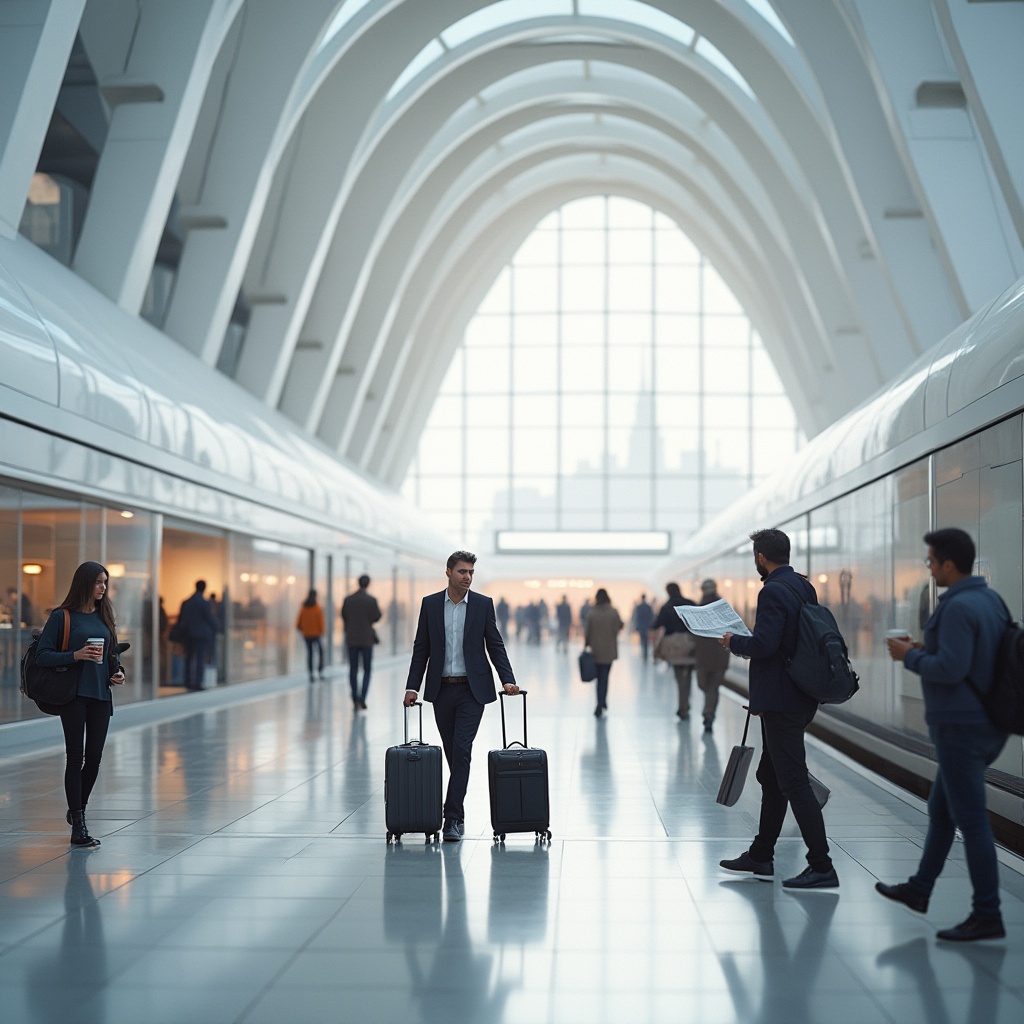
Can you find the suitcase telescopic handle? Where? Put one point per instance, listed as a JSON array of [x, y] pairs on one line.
[[504, 738], [418, 704]]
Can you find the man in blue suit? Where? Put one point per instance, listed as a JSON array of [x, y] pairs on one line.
[[785, 713], [455, 634]]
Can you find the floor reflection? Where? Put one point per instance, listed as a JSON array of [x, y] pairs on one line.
[[80, 959], [918, 960], [789, 969], [244, 879]]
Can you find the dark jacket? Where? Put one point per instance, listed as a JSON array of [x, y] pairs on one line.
[[774, 639], [710, 654], [643, 616], [668, 619], [480, 638], [359, 611], [93, 677], [960, 639], [196, 621]]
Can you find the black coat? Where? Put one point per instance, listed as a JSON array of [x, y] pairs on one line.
[[480, 638], [196, 621], [774, 639]]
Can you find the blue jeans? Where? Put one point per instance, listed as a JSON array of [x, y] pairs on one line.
[[354, 654], [957, 800], [602, 685]]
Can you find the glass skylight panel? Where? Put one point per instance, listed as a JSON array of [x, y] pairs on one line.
[[431, 52], [639, 14], [497, 15], [765, 9], [348, 11], [713, 55]]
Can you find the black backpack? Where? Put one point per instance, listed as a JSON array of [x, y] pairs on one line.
[[820, 664], [50, 688], [1004, 700]]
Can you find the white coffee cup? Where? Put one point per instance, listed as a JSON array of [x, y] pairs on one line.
[[95, 641], [897, 634]]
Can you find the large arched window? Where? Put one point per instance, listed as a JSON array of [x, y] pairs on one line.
[[609, 381]]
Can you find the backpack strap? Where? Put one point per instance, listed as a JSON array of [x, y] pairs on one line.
[[1010, 621], [803, 600], [66, 638]]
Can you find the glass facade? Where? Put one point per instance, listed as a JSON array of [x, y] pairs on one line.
[[609, 381], [864, 553], [256, 586]]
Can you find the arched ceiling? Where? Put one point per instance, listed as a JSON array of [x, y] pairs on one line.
[[360, 172]]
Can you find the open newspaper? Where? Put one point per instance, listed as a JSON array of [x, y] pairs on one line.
[[714, 620]]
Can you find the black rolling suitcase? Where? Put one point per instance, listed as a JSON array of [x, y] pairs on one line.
[[518, 780], [412, 787]]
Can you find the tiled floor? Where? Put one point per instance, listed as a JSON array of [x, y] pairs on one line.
[[244, 877]]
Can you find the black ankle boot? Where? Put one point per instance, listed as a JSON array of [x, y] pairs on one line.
[[80, 832]]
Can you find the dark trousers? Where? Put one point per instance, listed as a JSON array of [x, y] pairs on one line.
[[644, 640], [957, 800], [354, 655], [85, 721], [457, 714], [311, 642], [782, 773], [196, 658], [603, 672]]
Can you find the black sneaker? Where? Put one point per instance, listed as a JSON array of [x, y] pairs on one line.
[[746, 865], [811, 879], [461, 826], [904, 893], [974, 928], [451, 833]]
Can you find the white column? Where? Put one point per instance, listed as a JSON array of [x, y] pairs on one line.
[[275, 42], [36, 37], [987, 45], [156, 101]]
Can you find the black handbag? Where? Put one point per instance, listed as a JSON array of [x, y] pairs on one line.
[[588, 667], [736, 770], [51, 687]]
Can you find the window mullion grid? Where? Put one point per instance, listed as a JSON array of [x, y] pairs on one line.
[[605, 469], [701, 438], [559, 384], [652, 395], [511, 511]]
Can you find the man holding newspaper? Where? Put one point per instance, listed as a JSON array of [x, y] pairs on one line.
[[784, 711]]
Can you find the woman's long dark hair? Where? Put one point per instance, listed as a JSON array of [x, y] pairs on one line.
[[80, 594], [601, 597], [310, 601]]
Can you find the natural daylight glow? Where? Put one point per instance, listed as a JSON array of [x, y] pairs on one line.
[[610, 381]]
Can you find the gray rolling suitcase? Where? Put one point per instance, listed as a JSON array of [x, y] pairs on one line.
[[518, 780], [412, 787]]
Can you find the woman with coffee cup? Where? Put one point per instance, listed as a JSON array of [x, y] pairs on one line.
[[91, 650]]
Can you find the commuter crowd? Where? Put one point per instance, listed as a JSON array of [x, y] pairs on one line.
[[459, 649]]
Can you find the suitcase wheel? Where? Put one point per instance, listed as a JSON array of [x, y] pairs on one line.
[[499, 837], [387, 839], [544, 837]]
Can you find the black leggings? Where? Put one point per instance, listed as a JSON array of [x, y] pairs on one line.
[[85, 721]]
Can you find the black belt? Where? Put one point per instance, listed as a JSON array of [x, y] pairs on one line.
[[454, 679]]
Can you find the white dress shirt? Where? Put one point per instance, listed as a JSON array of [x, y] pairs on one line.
[[454, 631]]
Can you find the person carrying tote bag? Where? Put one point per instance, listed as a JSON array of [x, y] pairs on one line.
[[601, 636], [92, 645], [676, 646]]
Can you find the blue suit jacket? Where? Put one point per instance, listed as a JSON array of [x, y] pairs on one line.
[[480, 639], [775, 634]]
